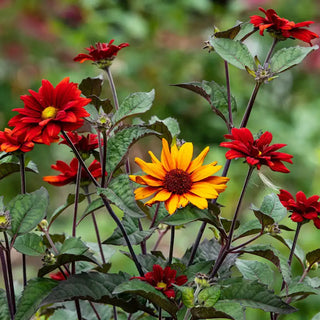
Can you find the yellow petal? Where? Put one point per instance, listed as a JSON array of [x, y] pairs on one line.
[[154, 158], [185, 156], [217, 180], [204, 190], [205, 171], [174, 155], [152, 169], [183, 201], [162, 195], [197, 162], [166, 159], [144, 192], [172, 203], [149, 180], [199, 202]]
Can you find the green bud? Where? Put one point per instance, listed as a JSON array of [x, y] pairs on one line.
[[202, 280], [43, 225], [5, 221], [49, 258]]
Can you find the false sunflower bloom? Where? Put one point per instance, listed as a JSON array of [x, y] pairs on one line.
[[10, 142], [163, 279], [303, 208], [177, 180], [257, 152], [49, 111], [282, 28]]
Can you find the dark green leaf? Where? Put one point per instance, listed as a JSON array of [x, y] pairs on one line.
[[248, 228], [105, 104], [7, 168], [35, 291], [287, 58], [147, 291], [2, 206], [234, 52], [147, 261], [228, 34], [135, 235], [134, 104], [209, 296], [313, 256], [255, 295], [208, 313], [120, 192], [255, 270], [168, 127], [27, 210], [233, 309], [91, 86], [299, 289], [199, 267], [30, 244], [73, 246], [119, 144], [4, 310]]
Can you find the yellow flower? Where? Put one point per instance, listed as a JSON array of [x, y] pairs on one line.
[[177, 179]]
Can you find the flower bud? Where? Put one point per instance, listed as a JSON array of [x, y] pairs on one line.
[[313, 267], [5, 221], [49, 258], [103, 123], [43, 225], [202, 280], [272, 229]]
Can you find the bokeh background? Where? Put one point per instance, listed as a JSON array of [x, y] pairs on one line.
[[38, 40]]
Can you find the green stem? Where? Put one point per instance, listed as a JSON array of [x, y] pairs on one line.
[[113, 89]]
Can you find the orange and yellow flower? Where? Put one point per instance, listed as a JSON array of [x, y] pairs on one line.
[[177, 180]]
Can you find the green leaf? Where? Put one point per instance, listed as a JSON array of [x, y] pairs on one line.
[[187, 296], [248, 228], [73, 246], [119, 144], [255, 270], [313, 256], [131, 226], [233, 309], [35, 291], [27, 210], [168, 127], [147, 291], [255, 295], [120, 193], [91, 86], [30, 244], [299, 289], [298, 251], [134, 104], [316, 317], [4, 309], [7, 168], [287, 58], [209, 296], [208, 313], [234, 52]]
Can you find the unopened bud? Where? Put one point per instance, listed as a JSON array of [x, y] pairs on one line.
[[49, 258], [202, 280], [272, 229], [43, 225], [5, 221], [314, 265], [103, 123]]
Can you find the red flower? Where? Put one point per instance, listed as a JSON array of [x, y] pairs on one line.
[[256, 152], [10, 142], [69, 173], [302, 208], [58, 276], [83, 144], [163, 279], [101, 52], [282, 28], [49, 111]]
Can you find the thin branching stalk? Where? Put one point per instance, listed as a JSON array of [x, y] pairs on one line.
[[226, 68], [172, 228], [143, 242], [78, 309], [153, 222], [115, 314], [76, 201], [294, 244], [161, 235], [113, 88], [160, 314], [104, 158]]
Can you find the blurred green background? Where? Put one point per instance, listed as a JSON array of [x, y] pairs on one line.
[[38, 40]]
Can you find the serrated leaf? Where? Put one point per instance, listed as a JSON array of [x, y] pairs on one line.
[[27, 210], [255, 295], [298, 251], [4, 310], [147, 291], [287, 58], [7, 168], [35, 291], [119, 144], [168, 127], [235, 310], [135, 235], [120, 193], [234, 52], [134, 104], [91, 86], [187, 294], [299, 289], [248, 228], [255, 270], [73, 246], [30, 244], [313, 256], [208, 313], [209, 296]]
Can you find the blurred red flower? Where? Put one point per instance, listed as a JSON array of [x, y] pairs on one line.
[[58, 276], [49, 111], [69, 173], [84, 144], [10, 142], [256, 152], [163, 279], [101, 52], [282, 28], [302, 208]]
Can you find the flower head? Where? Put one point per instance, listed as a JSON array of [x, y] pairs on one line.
[[69, 173], [303, 208], [49, 111], [177, 179], [102, 53], [10, 142], [59, 276], [163, 279], [282, 28], [257, 152]]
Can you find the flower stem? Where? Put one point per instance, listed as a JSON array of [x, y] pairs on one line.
[[161, 235], [113, 89], [143, 242], [171, 245], [153, 222], [226, 68], [268, 57], [294, 243], [76, 201], [104, 159]]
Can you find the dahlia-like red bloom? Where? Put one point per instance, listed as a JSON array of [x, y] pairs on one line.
[[256, 152], [84, 144], [302, 208], [101, 52], [282, 28], [49, 111], [69, 173], [10, 142], [163, 279], [58, 276]]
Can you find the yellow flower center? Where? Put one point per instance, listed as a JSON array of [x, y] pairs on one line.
[[49, 113], [259, 154], [161, 285], [3, 220], [177, 181]]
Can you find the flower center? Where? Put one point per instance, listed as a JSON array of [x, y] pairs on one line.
[[177, 181], [162, 285], [49, 113]]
